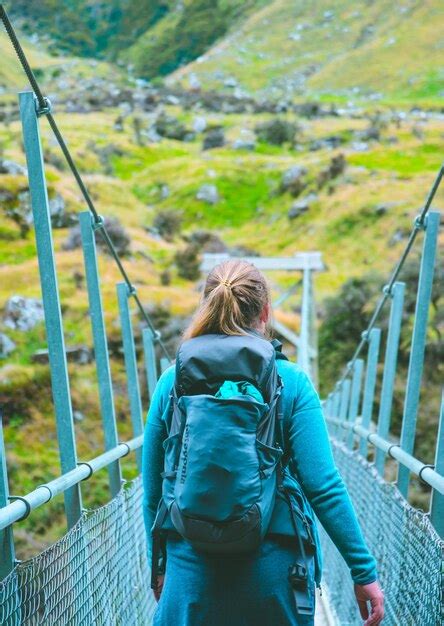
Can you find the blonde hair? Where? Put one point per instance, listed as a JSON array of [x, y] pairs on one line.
[[233, 298]]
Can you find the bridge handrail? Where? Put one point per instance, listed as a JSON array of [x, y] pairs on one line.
[[22, 506], [424, 471]]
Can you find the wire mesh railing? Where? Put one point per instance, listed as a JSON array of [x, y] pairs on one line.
[[408, 550], [96, 575]]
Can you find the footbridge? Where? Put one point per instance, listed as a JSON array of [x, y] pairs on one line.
[[97, 573]]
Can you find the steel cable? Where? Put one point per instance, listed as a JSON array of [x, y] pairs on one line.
[[44, 108]]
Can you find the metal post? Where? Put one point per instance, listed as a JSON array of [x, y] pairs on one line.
[[370, 384], [335, 407], [313, 335], [100, 347], [51, 304], [354, 399], [345, 400], [7, 551], [150, 360], [388, 380], [303, 354], [416, 362], [437, 500], [130, 366]]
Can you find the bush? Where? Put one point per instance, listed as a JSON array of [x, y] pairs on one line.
[[277, 132], [188, 262], [168, 223]]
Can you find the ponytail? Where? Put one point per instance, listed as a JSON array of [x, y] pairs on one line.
[[234, 296]]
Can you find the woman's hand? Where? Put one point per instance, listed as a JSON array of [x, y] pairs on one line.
[[158, 591], [373, 593]]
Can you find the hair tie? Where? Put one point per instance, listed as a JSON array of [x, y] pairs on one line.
[[226, 283]]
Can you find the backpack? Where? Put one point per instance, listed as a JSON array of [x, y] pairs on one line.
[[224, 445]]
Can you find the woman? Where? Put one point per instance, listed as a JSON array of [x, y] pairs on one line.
[[254, 589]]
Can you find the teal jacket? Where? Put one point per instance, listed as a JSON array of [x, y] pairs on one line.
[[311, 469]]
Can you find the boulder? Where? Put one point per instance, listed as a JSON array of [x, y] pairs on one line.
[[170, 127], [293, 180], [74, 354], [301, 206], [199, 124], [214, 138], [10, 167], [208, 193], [22, 313], [6, 345]]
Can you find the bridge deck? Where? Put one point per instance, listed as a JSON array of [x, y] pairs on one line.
[[321, 616]]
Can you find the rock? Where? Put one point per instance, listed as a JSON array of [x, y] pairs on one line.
[[164, 191], [330, 143], [214, 138], [359, 146], [78, 416], [302, 206], [59, 217], [199, 124], [115, 230], [22, 313], [208, 193], [170, 127], [230, 82], [6, 346], [293, 180], [194, 82], [10, 167], [74, 354], [246, 141]]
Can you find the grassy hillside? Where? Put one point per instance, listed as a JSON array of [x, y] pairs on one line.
[[359, 217], [360, 49]]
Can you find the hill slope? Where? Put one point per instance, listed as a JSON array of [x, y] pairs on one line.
[[347, 48]]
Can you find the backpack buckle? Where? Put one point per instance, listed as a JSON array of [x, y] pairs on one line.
[[298, 576]]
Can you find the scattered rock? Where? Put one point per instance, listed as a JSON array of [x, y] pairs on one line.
[[208, 193], [74, 354], [293, 180], [78, 416], [214, 138], [10, 167], [22, 313], [330, 143], [170, 127], [246, 141], [199, 124], [6, 346], [302, 206], [60, 218]]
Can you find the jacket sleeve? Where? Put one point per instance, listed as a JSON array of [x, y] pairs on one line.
[[312, 460], [153, 453]]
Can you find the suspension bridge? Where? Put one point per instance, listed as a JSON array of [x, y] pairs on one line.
[[97, 573]]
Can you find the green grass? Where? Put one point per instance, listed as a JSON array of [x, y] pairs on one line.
[[406, 162]]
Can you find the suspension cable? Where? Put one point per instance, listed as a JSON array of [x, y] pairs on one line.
[[419, 224], [44, 108]]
